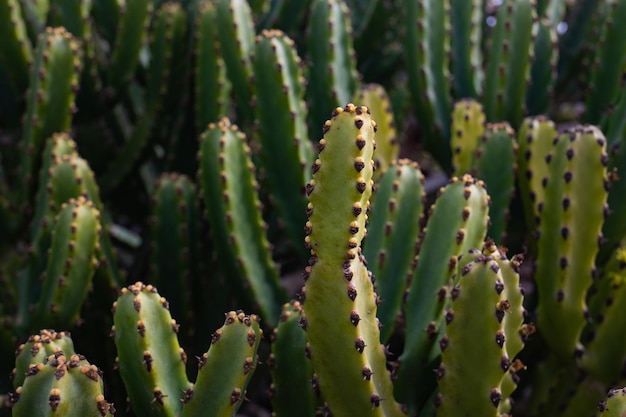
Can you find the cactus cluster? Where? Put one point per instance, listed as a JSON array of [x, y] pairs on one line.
[[419, 205]]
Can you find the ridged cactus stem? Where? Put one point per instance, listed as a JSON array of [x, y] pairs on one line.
[[340, 306], [457, 222], [150, 360], [226, 369], [571, 214]]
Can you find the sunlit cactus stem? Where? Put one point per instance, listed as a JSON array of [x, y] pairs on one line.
[[340, 305]]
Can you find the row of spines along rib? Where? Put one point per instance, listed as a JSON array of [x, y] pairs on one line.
[[63, 383], [285, 148], [457, 222], [571, 214], [339, 299], [229, 189], [395, 222], [294, 389], [175, 250], [152, 363], [483, 320]]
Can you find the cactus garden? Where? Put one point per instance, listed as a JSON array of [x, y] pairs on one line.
[[307, 208]]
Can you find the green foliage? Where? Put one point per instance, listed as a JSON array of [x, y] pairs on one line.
[[172, 144]]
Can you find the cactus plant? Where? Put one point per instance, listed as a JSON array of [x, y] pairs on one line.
[[101, 108]]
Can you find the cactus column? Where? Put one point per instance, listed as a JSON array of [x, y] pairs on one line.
[[340, 307]]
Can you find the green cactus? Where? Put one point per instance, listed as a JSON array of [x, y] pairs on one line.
[[508, 67], [227, 171], [340, 307], [495, 165], [377, 100], [468, 126], [36, 349], [16, 53], [293, 391], [211, 84], [236, 36], [176, 254], [571, 216], [62, 385], [427, 30], [150, 360], [614, 406], [475, 328], [232, 356], [332, 77], [283, 136], [394, 223], [53, 82], [456, 223]]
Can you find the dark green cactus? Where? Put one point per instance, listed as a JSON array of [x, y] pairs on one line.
[[508, 66], [53, 82], [457, 222], [332, 77], [226, 170], [283, 136], [293, 386], [395, 222]]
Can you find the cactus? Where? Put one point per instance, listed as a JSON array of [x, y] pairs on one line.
[[508, 64], [340, 307], [495, 165], [614, 406], [468, 126], [571, 219], [395, 220], [333, 79], [456, 222], [283, 136], [479, 288], [293, 388], [36, 349], [377, 100], [53, 82], [100, 106], [62, 385], [150, 360], [232, 355], [176, 218], [226, 171], [16, 53]]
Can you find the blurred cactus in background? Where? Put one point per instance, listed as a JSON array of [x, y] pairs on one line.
[[312, 208]]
